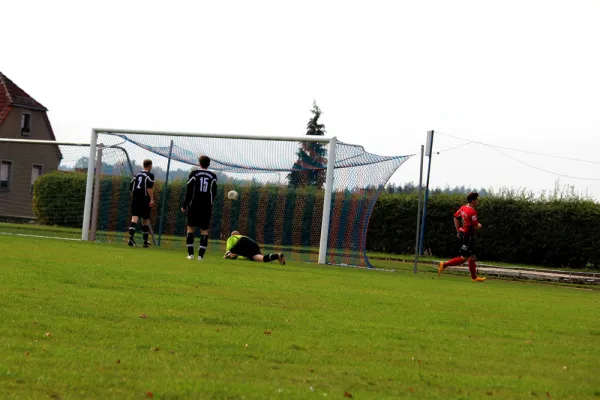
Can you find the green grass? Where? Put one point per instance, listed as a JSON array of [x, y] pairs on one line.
[[408, 259], [33, 229], [378, 259], [71, 329], [166, 241]]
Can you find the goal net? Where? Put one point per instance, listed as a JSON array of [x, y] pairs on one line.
[[282, 186]]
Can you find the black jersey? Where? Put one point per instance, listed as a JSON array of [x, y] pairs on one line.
[[201, 189], [141, 182]]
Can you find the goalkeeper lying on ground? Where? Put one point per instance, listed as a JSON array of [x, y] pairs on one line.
[[240, 245]]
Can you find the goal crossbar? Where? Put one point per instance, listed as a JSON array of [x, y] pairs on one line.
[[321, 139]]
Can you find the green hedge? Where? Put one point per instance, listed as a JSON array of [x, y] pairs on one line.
[[555, 233], [558, 233], [58, 198]]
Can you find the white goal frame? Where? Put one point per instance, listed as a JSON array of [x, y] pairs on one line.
[[332, 141]]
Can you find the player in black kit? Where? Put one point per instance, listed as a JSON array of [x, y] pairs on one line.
[[199, 198], [142, 199]]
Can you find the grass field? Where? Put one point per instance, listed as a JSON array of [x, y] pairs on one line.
[[178, 242], [84, 320]]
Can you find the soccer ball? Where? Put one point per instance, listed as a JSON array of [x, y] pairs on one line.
[[232, 195]]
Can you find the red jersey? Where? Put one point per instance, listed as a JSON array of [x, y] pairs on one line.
[[469, 219]]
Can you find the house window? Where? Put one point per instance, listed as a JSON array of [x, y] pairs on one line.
[[5, 174], [36, 171], [25, 124]]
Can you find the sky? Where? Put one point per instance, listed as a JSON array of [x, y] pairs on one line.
[[521, 76]]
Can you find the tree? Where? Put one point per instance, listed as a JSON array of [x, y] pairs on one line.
[[310, 169]]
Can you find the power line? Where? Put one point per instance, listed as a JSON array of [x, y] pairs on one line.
[[519, 150], [453, 148], [544, 170], [496, 148]]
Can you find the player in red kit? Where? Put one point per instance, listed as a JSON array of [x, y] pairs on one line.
[[466, 234]]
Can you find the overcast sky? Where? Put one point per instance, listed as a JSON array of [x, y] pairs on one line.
[[518, 74]]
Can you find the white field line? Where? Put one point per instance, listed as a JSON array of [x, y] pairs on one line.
[[38, 236], [529, 273]]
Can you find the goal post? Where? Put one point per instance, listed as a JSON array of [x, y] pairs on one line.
[[310, 197], [332, 142], [327, 201], [89, 183]]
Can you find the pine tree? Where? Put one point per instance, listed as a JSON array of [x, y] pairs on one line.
[[310, 169]]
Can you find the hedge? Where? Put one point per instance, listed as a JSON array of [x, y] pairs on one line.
[[556, 233], [59, 197], [548, 232], [63, 210]]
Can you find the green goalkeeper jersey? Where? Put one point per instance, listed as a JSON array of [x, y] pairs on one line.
[[232, 241]]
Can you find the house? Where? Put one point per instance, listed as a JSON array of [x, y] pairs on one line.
[[22, 117]]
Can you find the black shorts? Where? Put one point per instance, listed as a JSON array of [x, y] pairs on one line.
[[140, 208], [246, 247], [466, 245], [199, 217]]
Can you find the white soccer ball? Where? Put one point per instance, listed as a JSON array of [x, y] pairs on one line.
[[232, 195]]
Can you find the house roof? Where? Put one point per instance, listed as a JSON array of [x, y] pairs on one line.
[[13, 96]]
